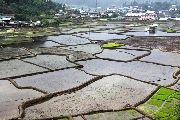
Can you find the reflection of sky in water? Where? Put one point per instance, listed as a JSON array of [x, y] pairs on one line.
[[102, 36], [166, 58], [140, 70], [121, 54]]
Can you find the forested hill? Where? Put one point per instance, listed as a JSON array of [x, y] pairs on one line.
[[25, 9]]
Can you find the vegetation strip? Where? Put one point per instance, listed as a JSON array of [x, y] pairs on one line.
[[145, 114], [17, 56], [164, 104]]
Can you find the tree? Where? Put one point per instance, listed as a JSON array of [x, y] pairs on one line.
[[29, 8]]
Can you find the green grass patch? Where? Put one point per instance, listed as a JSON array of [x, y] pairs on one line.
[[9, 36], [120, 115], [164, 104], [170, 30], [112, 44], [10, 40], [155, 102], [160, 97], [133, 112], [165, 91]]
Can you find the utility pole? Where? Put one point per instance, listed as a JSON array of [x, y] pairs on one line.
[[96, 4]]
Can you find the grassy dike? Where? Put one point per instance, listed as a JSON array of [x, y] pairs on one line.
[[18, 35]]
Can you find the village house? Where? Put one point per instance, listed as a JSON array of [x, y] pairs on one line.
[[133, 16], [84, 14], [6, 20], [111, 11], [149, 15], [94, 14]]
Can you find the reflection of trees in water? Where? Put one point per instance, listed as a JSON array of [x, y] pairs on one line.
[[34, 44]]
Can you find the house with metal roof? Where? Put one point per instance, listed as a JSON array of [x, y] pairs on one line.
[[6, 18], [149, 15]]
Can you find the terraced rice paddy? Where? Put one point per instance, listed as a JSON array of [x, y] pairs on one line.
[[92, 74]]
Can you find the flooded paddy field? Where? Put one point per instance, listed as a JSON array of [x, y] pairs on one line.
[[112, 92], [52, 62], [70, 54], [114, 31], [101, 36], [161, 57], [12, 97], [68, 40], [37, 44], [56, 81], [16, 67], [93, 72], [87, 48], [157, 74], [121, 54]]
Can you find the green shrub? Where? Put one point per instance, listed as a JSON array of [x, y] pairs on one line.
[[170, 30], [112, 44]]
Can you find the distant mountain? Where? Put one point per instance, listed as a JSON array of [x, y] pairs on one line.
[[106, 3]]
